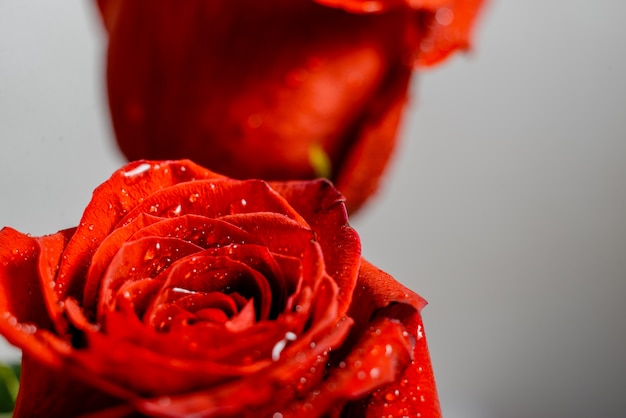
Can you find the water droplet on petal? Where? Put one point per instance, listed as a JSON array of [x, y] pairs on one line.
[[388, 350], [174, 211], [420, 334], [296, 77], [280, 345], [152, 252], [444, 16], [371, 6], [164, 401], [255, 121], [140, 169]]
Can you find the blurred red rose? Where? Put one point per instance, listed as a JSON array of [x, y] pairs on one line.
[[185, 293], [278, 89]]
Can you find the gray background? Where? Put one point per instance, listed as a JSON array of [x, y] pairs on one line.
[[505, 207]]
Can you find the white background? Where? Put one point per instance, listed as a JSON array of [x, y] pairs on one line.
[[505, 208]]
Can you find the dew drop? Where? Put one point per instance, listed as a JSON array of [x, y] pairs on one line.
[[388, 350], [243, 202], [280, 345], [164, 401], [151, 252], [296, 77], [91, 227], [371, 6], [444, 16], [175, 211], [140, 169], [182, 290], [194, 197], [255, 121]]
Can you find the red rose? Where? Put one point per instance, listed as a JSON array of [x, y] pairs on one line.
[[185, 293], [274, 89]]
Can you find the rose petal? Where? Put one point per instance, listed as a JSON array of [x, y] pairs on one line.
[[140, 259], [29, 309], [450, 29], [213, 199], [264, 392], [110, 203], [339, 243], [105, 253], [414, 392], [378, 293], [206, 273], [43, 392], [379, 357], [373, 147]]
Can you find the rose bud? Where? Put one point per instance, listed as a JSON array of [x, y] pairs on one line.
[[277, 90], [186, 293]]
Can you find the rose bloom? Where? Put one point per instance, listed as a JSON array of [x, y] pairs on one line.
[[274, 89], [186, 293]]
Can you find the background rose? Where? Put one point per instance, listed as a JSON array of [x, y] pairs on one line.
[[182, 291], [280, 89]]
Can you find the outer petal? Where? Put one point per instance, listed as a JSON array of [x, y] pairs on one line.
[[44, 392], [450, 29], [414, 392], [375, 141], [29, 307], [443, 26], [21, 296]]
